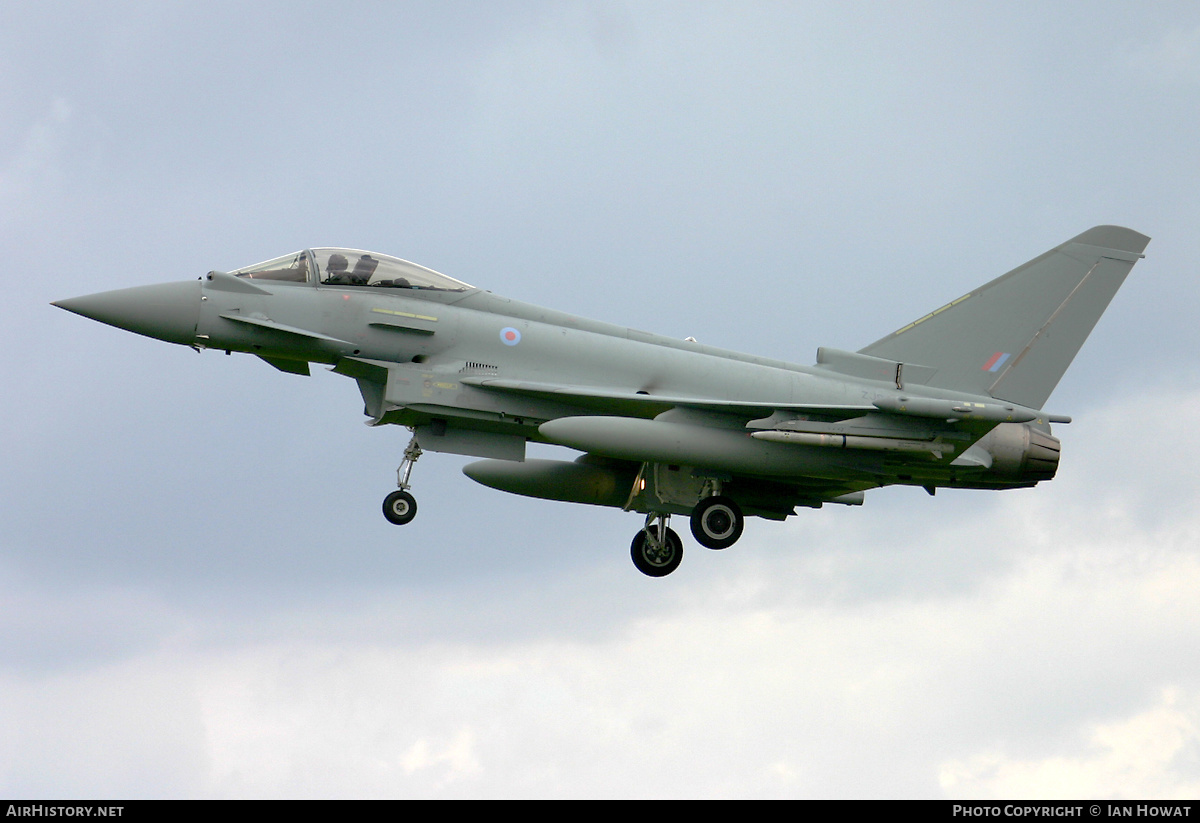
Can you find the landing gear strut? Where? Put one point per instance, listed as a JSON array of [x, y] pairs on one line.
[[400, 507], [654, 554]]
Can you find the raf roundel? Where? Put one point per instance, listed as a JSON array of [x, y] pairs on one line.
[[510, 336]]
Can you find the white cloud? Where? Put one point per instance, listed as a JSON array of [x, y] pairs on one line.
[[1055, 660], [1152, 754]]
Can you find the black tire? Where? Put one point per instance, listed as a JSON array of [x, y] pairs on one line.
[[656, 564], [717, 522], [399, 507]]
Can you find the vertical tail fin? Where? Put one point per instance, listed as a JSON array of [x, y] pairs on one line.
[[1014, 337]]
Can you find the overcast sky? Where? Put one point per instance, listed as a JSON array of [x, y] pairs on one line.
[[199, 596]]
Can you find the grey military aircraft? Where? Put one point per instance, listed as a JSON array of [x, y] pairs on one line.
[[953, 399]]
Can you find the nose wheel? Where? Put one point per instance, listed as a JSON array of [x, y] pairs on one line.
[[400, 506]]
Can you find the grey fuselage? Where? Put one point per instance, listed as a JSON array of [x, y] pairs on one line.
[[662, 422], [440, 361], [665, 426]]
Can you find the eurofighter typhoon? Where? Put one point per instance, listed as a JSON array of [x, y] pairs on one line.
[[953, 399]]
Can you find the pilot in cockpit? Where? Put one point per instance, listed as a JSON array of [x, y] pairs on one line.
[[336, 270]]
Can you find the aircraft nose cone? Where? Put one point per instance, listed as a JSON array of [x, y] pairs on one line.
[[165, 311]]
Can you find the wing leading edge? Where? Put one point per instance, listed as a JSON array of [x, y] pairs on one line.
[[653, 403]]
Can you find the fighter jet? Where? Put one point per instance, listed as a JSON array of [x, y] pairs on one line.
[[665, 426]]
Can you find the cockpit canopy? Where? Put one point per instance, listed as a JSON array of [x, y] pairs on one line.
[[350, 267]]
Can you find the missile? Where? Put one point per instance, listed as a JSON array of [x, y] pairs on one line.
[[844, 441], [662, 441], [959, 409]]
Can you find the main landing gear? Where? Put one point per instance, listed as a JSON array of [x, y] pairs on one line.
[[400, 506], [653, 554], [717, 523]]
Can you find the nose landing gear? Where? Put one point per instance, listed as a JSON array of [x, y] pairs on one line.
[[400, 506]]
